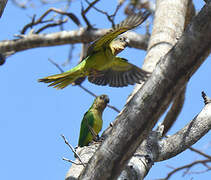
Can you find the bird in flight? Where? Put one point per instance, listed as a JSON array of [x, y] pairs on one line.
[[101, 65]]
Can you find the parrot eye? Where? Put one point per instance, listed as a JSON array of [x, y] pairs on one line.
[[101, 97]]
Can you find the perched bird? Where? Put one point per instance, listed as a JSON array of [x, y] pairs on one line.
[[101, 64], [92, 121]]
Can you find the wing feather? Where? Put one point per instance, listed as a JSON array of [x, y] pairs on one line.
[[129, 23], [84, 131], [120, 73]]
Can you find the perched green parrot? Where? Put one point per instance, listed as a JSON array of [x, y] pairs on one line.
[[101, 64], [92, 121]]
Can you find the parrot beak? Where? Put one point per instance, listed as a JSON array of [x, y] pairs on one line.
[[107, 100], [127, 41]]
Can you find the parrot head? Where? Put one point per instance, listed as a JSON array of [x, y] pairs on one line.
[[101, 102], [118, 45]]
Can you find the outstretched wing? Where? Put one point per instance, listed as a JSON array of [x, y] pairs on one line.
[[129, 23], [120, 73]]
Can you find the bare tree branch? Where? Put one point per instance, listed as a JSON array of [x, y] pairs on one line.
[[174, 111], [41, 20], [200, 152], [188, 166], [206, 98], [82, 87], [187, 136], [178, 101], [152, 149], [2, 6], [167, 28], [146, 106], [135, 169], [109, 17], [57, 23], [83, 13], [66, 37], [139, 4], [70, 55], [72, 149]]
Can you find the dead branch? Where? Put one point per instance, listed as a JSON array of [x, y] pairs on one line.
[[200, 152], [41, 20], [109, 17], [57, 23], [82, 87], [73, 150], [188, 166], [2, 6], [84, 11], [141, 112], [66, 37], [174, 111]]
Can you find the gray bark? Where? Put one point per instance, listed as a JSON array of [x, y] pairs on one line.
[[139, 115], [153, 149], [2, 6], [65, 37]]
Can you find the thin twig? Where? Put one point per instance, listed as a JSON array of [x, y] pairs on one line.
[[55, 64], [59, 22], [199, 152], [65, 9], [68, 160], [184, 167], [206, 98], [70, 55], [82, 87], [109, 17], [91, 93], [40, 19], [72, 16], [73, 150], [88, 91], [83, 12]]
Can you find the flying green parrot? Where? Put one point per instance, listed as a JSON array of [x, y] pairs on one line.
[[101, 64], [92, 121]]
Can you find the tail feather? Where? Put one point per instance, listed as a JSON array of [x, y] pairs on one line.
[[62, 80], [55, 82], [64, 83]]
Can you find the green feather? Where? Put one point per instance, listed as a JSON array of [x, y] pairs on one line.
[[100, 60], [92, 121], [85, 134]]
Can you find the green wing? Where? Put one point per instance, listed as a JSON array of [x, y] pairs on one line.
[[84, 138], [129, 23], [120, 73]]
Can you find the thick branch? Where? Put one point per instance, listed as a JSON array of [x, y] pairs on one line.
[[66, 37], [136, 168], [2, 6], [155, 149], [178, 101], [187, 136], [174, 111], [168, 26], [145, 107]]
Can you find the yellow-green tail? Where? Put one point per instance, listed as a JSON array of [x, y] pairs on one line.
[[62, 80]]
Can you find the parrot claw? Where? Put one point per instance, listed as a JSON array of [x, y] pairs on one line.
[[98, 139]]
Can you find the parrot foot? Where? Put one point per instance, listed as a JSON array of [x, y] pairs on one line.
[[98, 139]]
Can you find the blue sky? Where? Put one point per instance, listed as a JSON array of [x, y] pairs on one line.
[[33, 116]]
